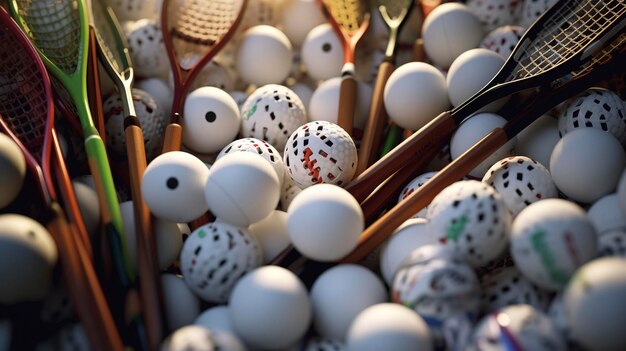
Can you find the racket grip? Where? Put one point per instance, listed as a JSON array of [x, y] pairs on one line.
[[173, 134], [373, 133], [347, 100]]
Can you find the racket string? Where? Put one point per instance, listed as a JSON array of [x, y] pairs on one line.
[[349, 14], [54, 26], [107, 37]]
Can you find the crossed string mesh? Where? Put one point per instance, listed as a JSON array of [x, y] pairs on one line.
[[54, 28], [395, 9], [23, 103], [349, 14], [616, 46], [197, 25], [565, 34], [109, 39]]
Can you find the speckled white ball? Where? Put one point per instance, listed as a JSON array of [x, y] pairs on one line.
[[606, 214], [550, 239], [538, 139], [264, 56], [242, 188], [612, 243], [531, 10], [259, 147], [298, 18], [211, 120], [147, 50], [595, 305], [507, 286], [320, 344], [215, 256], [159, 90], [324, 222], [388, 326], [172, 187], [133, 10], [586, 164], [470, 72], [340, 294], [320, 152], [450, 30], [412, 187], [270, 308], [415, 94], [189, 338], [322, 53], [272, 234], [495, 13], [502, 40], [272, 113], [472, 218], [13, 170], [180, 304]]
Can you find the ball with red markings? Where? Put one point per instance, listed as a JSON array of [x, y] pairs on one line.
[[320, 152], [259, 147], [412, 187], [496, 13], [502, 40]]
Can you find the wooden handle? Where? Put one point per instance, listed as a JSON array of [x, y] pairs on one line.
[[419, 55], [378, 232], [373, 133], [347, 101], [440, 128], [173, 134]]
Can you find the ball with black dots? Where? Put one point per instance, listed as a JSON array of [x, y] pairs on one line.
[[259, 147], [495, 13], [413, 185], [612, 243], [147, 49], [507, 286], [319, 344], [502, 40]]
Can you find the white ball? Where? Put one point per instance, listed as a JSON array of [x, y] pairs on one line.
[[159, 90], [181, 305], [415, 94], [606, 214], [189, 337], [270, 291], [29, 254], [211, 120], [340, 294], [213, 74], [172, 187], [471, 131], [324, 222], [411, 235], [495, 13], [133, 10], [472, 218], [242, 188], [89, 206], [621, 191], [272, 234], [13, 170], [450, 30], [531, 10], [612, 243], [304, 91], [324, 102], [470, 72], [320, 152], [595, 303], [288, 193], [322, 53], [507, 286], [147, 50], [259, 147], [586, 164], [502, 40], [216, 319], [413, 186], [550, 239], [319, 344], [388, 326], [264, 56], [299, 17], [538, 139]]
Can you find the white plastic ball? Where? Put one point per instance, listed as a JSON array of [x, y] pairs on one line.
[[550, 239], [470, 72], [415, 184], [340, 294], [180, 304], [597, 108], [325, 222], [507, 286], [595, 305], [259, 147], [472, 218], [242, 188], [272, 234], [288, 193], [495, 13], [450, 30], [13, 170], [213, 74], [147, 50], [133, 10], [264, 56], [272, 113], [29, 254], [471, 131], [270, 291], [189, 338], [159, 90], [502, 40], [211, 120], [612, 243], [298, 18], [621, 191], [586, 164], [239, 97], [215, 256], [89, 206], [322, 53], [320, 152], [521, 181], [304, 91], [538, 139], [172, 187], [216, 318], [606, 214], [411, 235], [320, 344], [388, 326], [415, 94], [531, 10]]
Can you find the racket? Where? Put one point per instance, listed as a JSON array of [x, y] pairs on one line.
[[115, 58], [59, 31], [609, 61], [194, 31], [394, 14], [26, 109], [559, 41], [349, 19]]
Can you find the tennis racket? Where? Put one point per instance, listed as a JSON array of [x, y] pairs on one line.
[[561, 40], [194, 31], [27, 116], [349, 19]]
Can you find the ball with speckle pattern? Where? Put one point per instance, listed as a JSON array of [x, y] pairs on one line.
[[502, 40], [495, 13], [319, 344], [531, 10], [612, 243], [147, 49], [410, 188], [507, 286], [189, 338], [259, 147]]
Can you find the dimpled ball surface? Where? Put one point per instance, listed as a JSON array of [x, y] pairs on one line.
[[12, 170], [147, 50], [472, 218], [550, 239], [320, 152], [259, 147], [521, 181], [215, 256], [507, 286], [272, 113], [412, 187], [502, 40]]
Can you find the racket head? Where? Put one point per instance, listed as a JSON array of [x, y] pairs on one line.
[[394, 12], [26, 104], [349, 19]]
